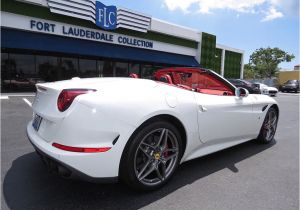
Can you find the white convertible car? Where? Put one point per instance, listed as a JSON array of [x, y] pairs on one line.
[[139, 131], [266, 90]]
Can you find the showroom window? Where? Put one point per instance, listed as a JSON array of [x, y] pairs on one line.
[[158, 67], [134, 68], [146, 71], [88, 68], [5, 73], [108, 67], [121, 69], [69, 68], [100, 65], [22, 71], [47, 68]]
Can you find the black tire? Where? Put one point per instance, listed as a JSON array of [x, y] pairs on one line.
[[269, 126], [148, 151]]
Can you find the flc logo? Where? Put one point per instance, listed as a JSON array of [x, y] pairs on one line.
[[106, 16]]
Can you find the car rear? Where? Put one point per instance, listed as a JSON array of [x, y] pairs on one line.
[[75, 138], [290, 85]]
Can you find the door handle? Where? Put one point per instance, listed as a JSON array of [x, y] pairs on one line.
[[202, 108]]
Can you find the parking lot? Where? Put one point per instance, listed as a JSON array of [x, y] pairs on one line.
[[248, 176]]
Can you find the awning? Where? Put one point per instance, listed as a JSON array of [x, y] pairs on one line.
[[16, 39]]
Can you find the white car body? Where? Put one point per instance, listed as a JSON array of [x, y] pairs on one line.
[[267, 90], [121, 105]]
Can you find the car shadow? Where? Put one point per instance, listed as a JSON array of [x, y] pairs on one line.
[[28, 185]]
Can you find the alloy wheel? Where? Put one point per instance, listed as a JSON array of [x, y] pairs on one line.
[[270, 124], [156, 156]]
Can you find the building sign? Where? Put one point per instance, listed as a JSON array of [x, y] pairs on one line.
[[78, 32], [106, 16], [37, 25]]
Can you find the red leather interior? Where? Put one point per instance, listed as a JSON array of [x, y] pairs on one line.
[[194, 79], [132, 75], [213, 92], [185, 87], [166, 78]]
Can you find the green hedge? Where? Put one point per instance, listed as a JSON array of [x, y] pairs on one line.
[[208, 51], [218, 61], [232, 64]]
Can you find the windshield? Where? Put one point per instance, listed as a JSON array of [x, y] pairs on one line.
[[290, 82], [197, 80]]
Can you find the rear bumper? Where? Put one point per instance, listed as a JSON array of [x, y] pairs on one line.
[[289, 89], [57, 161]]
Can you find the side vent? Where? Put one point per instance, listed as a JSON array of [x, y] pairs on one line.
[[264, 108], [115, 140]]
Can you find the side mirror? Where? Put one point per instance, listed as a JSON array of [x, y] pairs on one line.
[[241, 92]]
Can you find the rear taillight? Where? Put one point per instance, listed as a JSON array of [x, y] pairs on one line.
[[67, 96]]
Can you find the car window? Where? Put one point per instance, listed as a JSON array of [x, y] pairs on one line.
[[258, 85], [246, 82], [263, 86]]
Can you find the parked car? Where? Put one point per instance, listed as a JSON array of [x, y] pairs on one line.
[[251, 87], [271, 82], [266, 90], [138, 130], [290, 85]]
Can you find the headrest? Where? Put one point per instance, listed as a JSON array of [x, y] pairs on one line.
[[132, 75]]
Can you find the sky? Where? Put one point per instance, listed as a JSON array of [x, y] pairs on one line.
[[242, 24]]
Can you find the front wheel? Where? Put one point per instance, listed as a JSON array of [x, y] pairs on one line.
[[268, 129], [152, 156]]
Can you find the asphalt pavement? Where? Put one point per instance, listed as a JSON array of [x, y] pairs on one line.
[[248, 176]]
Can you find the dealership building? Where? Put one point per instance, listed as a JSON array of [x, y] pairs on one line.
[[51, 40]]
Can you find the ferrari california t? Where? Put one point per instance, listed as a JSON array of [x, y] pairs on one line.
[[139, 131]]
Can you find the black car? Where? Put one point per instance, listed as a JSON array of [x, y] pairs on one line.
[[251, 87], [290, 85]]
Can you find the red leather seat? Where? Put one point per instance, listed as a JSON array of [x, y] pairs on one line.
[[166, 78], [132, 75]]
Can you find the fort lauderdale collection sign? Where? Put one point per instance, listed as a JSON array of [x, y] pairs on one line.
[[83, 33], [105, 18], [26, 23]]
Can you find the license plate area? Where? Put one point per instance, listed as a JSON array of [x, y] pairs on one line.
[[37, 122]]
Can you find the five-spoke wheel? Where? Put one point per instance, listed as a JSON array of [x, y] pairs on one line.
[[269, 126], [156, 156], [152, 156]]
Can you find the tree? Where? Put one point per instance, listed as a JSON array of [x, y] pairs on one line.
[[265, 61], [249, 72]]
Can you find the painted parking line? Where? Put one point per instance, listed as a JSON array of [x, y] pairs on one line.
[[20, 95], [27, 102], [4, 97]]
